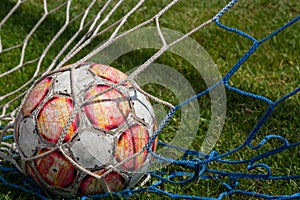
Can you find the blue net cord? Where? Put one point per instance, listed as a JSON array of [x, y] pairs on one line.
[[198, 163]]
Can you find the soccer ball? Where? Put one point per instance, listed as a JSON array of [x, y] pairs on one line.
[[82, 131]]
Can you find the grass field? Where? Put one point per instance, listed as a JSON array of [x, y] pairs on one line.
[[272, 71]]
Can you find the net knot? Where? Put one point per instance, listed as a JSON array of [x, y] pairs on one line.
[[199, 168]]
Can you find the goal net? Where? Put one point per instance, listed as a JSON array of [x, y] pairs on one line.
[[223, 78]]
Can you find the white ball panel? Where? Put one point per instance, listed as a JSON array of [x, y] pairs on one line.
[[62, 83], [28, 138], [93, 149], [142, 107], [83, 78]]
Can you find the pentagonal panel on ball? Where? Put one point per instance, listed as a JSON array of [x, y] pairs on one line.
[[109, 73], [129, 150], [113, 181], [55, 169], [53, 117], [106, 108], [36, 96]]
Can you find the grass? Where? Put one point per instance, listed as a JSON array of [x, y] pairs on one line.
[[272, 71]]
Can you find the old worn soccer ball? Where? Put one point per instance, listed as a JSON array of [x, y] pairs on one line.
[[82, 130]]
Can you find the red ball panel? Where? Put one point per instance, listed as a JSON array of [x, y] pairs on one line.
[[90, 185], [54, 116], [132, 141], [109, 73], [36, 96], [55, 169], [108, 110]]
